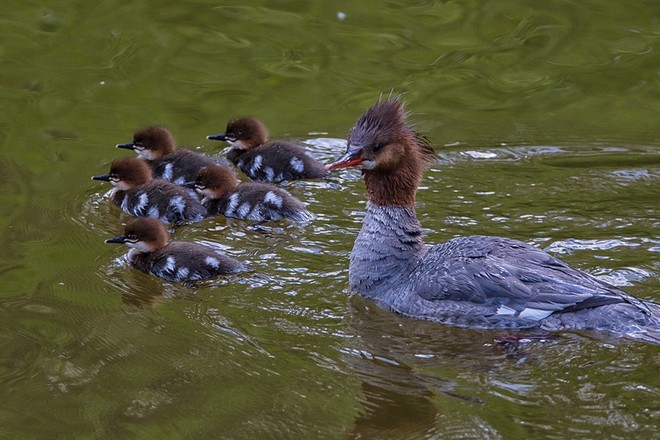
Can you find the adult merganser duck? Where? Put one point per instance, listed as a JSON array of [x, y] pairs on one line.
[[263, 160], [139, 195], [225, 195], [477, 281], [157, 146], [152, 252]]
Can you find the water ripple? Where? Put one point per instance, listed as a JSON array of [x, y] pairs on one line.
[[568, 246], [545, 126]]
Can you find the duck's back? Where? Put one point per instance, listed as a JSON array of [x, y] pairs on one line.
[[181, 166], [276, 161], [162, 200], [180, 261], [505, 278], [259, 202]]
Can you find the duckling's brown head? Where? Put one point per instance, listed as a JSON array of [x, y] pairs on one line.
[[151, 143], [127, 173], [214, 182], [243, 133], [143, 234]]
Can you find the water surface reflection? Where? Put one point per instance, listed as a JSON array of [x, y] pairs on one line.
[[544, 117]]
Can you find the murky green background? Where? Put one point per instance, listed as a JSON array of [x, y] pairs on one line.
[[544, 115]]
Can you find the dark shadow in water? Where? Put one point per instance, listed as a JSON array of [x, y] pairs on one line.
[[387, 414], [139, 289], [399, 401], [146, 291], [396, 360]]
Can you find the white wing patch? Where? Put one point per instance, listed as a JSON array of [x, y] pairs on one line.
[[231, 206], [167, 172], [505, 310], [297, 164], [178, 203], [124, 203], [256, 164], [170, 264], [143, 200], [182, 273], [213, 262], [273, 198], [153, 212], [535, 314], [244, 210], [270, 174]]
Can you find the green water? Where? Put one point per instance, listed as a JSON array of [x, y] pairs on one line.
[[544, 116]]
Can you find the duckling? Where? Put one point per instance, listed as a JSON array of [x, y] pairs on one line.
[[139, 195], [225, 195], [263, 160], [157, 146], [152, 252]]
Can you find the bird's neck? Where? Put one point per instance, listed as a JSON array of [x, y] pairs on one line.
[[234, 154], [164, 151], [388, 245], [394, 187], [221, 193]]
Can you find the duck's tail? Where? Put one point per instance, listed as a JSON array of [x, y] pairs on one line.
[[622, 319]]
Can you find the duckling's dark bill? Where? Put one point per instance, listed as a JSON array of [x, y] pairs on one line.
[[127, 145], [121, 239], [217, 137], [103, 177]]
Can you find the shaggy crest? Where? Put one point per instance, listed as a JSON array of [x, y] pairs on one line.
[[386, 122]]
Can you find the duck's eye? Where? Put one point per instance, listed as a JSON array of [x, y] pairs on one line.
[[200, 186], [114, 178], [138, 145], [377, 147], [131, 238]]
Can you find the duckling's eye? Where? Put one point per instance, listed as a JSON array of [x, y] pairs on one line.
[[377, 147], [200, 186], [131, 238], [114, 178]]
